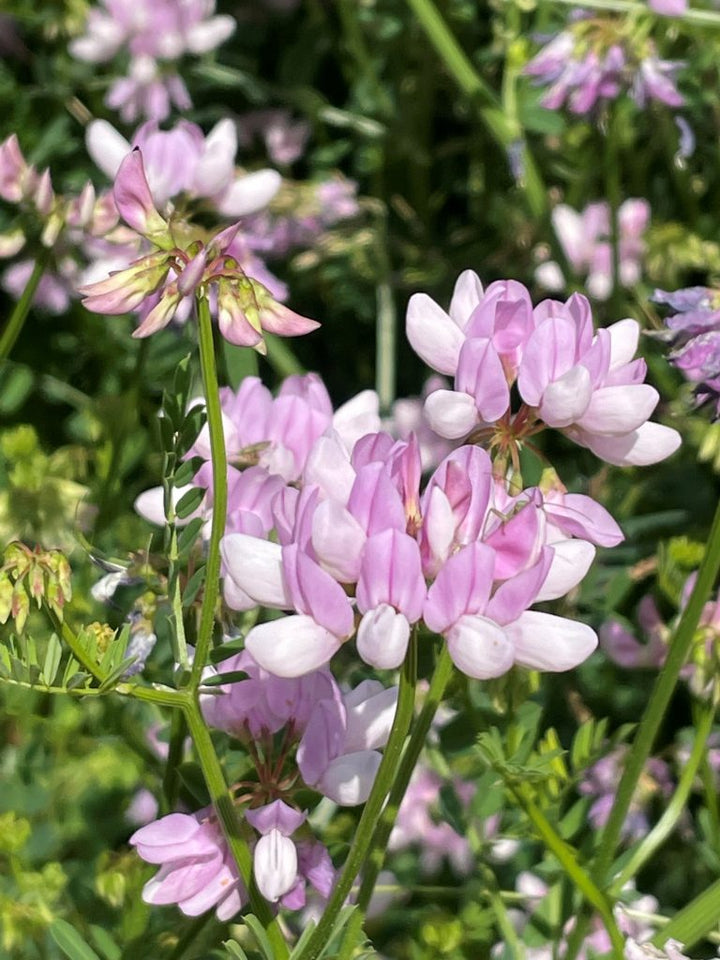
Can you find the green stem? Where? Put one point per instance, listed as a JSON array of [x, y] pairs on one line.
[[384, 780], [679, 648], [385, 338], [376, 858], [225, 808], [281, 358], [675, 808], [22, 307], [76, 647], [219, 489], [474, 87], [614, 198], [567, 858], [178, 732]]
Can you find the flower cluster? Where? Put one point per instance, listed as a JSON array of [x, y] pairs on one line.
[[156, 34], [694, 330], [183, 261], [585, 241], [624, 649], [569, 377], [361, 529], [595, 59], [55, 222], [337, 736]]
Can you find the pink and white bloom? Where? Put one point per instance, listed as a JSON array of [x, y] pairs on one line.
[[185, 161], [568, 377], [165, 279], [197, 870], [585, 241], [339, 752], [156, 34]]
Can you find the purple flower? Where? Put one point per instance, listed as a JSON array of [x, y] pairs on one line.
[[593, 60], [695, 333]]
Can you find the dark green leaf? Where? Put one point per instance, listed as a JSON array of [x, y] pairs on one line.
[[226, 650], [188, 535], [189, 502], [187, 470], [192, 587], [233, 676]]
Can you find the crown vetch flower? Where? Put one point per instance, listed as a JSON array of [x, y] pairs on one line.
[[568, 377], [245, 307], [197, 870]]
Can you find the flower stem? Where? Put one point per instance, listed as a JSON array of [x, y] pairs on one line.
[[225, 809], [473, 86], [679, 648], [675, 808], [384, 780], [22, 307], [567, 857], [614, 195], [219, 488], [379, 843]]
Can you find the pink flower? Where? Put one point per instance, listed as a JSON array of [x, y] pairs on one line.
[[153, 32], [197, 870], [568, 377], [244, 306], [338, 754]]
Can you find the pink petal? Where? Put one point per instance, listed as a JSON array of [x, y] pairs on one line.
[[432, 334], [479, 648], [291, 646], [546, 642], [451, 414], [382, 637], [618, 410], [255, 566]]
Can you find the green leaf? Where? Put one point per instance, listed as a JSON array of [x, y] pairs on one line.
[[227, 650], [117, 674], [192, 425], [187, 470], [261, 937], [17, 382], [691, 923], [235, 950], [234, 676], [188, 535], [70, 941], [51, 664], [105, 943], [189, 502], [240, 362], [192, 586]]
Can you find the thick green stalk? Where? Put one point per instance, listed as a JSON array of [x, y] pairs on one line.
[[384, 780], [22, 307], [378, 848], [219, 488], [474, 87], [567, 858], [666, 824], [225, 808], [679, 648]]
